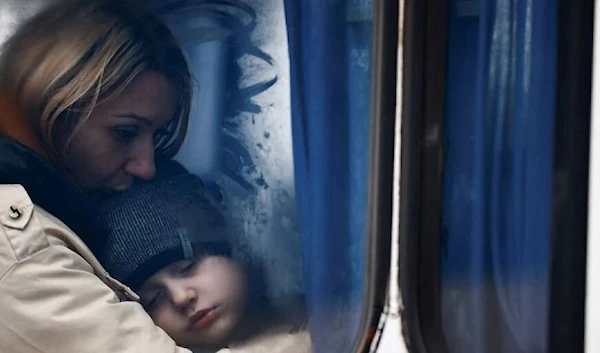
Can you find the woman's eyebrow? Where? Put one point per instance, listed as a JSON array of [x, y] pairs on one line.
[[138, 117]]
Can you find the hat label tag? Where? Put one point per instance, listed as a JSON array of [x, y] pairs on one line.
[[186, 244]]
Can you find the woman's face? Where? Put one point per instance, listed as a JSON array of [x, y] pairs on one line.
[[116, 144], [198, 302]]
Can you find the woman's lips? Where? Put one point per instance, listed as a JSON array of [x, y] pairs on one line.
[[203, 318]]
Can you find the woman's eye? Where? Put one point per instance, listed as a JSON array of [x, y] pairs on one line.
[[124, 134]]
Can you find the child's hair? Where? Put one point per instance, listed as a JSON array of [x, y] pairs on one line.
[[171, 218]]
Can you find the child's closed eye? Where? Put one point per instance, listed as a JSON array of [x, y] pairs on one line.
[[187, 268], [152, 301]]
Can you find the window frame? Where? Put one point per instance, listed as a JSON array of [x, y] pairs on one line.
[[572, 152], [381, 171], [423, 108], [592, 305]]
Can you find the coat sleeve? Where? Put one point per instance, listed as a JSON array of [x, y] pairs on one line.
[[51, 300]]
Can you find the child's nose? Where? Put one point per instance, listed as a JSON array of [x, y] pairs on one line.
[[183, 297]]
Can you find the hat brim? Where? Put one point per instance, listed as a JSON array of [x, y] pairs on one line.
[[165, 258]]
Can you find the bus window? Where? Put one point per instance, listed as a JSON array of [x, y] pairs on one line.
[[226, 164], [495, 142], [343, 70]]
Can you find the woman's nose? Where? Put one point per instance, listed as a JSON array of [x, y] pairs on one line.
[[141, 164]]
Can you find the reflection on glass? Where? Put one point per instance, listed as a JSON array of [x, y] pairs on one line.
[[498, 175], [212, 156]]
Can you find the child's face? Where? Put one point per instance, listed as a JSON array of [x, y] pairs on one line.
[[197, 302]]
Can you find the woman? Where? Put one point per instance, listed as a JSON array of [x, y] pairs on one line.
[[92, 91]]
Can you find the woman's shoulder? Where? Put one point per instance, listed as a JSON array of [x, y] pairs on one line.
[[27, 178], [20, 225], [27, 228]]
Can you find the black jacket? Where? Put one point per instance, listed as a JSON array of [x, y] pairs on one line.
[[50, 189]]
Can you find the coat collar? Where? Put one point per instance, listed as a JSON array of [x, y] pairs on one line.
[[50, 189]]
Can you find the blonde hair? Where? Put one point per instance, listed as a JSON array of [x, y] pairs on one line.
[[75, 54]]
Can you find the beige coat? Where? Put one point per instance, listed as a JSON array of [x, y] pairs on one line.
[[276, 342], [55, 297], [271, 342]]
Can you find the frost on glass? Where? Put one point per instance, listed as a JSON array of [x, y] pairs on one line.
[[246, 152]]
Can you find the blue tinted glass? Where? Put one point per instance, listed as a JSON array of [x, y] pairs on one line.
[[330, 46], [498, 175]]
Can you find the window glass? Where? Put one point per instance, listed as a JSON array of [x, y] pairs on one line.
[[330, 46], [232, 194], [237, 139], [498, 176]]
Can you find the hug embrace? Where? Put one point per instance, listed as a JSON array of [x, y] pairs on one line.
[[103, 248]]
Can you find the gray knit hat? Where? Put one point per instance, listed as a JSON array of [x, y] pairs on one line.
[[159, 222]]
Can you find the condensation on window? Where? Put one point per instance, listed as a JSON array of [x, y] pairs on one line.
[[250, 158]]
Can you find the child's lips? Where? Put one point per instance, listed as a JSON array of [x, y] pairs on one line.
[[203, 318]]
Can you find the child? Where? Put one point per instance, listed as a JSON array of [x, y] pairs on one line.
[[170, 245]]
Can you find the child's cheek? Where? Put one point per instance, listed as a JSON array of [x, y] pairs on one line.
[[168, 321]]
